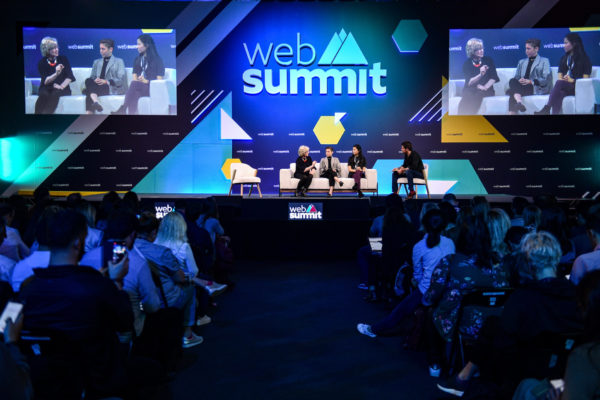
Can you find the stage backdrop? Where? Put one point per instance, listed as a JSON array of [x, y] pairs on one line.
[[257, 80]]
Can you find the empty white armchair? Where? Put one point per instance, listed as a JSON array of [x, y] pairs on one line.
[[243, 174]]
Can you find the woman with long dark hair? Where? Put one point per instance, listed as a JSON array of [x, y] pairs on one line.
[[426, 255], [147, 66], [574, 64], [357, 165]]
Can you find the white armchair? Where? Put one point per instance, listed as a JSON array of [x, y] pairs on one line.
[[417, 181], [242, 174]]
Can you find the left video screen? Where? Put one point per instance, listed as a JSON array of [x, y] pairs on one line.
[[100, 71]]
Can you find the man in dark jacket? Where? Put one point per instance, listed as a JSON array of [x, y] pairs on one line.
[[411, 169]]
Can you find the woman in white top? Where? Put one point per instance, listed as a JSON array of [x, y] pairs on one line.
[[426, 255], [172, 233]]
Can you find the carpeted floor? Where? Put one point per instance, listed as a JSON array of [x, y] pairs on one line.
[[288, 331]]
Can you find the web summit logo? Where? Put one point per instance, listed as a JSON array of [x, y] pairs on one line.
[[342, 50], [301, 211]]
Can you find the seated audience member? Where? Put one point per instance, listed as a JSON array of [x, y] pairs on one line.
[[426, 255], [589, 261], [40, 258], [41, 199], [498, 224], [357, 165], [177, 291], [532, 216], [425, 208], [172, 233], [544, 304], [14, 370], [365, 254], [450, 216], [107, 205], [81, 305], [108, 77], [513, 262], [55, 77], [578, 231], [451, 199], [582, 374], [472, 267], [209, 219], [397, 241], [331, 169], [480, 207], [554, 221], [199, 238], [94, 236], [517, 207], [131, 202], [147, 66], [13, 246], [6, 264], [532, 76]]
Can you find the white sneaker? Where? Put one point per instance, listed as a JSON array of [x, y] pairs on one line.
[[192, 341], [215, 288], [365, 330], [203, 321]]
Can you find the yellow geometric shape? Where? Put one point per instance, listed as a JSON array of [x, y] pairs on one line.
[[226, 168], [469, 129], [444, 81], [328, 131]]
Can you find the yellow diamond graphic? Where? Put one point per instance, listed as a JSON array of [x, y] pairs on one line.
[[226, 168], [329, 129]]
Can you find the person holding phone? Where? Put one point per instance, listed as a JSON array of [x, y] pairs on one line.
[[480, 76], [14, 370], [304, 167], [55, 77], [82, 304]]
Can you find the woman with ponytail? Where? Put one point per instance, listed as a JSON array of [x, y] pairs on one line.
[[426, 255]]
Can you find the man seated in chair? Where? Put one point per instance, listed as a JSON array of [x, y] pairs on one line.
[[108, 77], [411, 169], [331, 169]]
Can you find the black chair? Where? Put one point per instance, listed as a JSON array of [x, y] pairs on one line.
[[491, 299], [546, 354], [56, 368]]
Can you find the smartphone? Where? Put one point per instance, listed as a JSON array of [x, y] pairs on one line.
[[12, 311], [118, 251]]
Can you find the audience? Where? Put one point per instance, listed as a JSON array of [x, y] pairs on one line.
[[589, 261], [13, 246]]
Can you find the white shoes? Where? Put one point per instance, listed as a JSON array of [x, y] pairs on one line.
[[365, 330], [215, 289], [203, 321], [192, 341]]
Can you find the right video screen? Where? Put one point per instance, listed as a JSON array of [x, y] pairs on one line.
[[536, 71]]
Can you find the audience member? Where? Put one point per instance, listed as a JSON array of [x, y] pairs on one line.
[[517, 207], [13, 246], [426, 255], [554, 221], [589, 261], [80, 304], [40, 258], [14, 370], [6, 264], [94, 236], [498, 224], [532, 216], [176, 290]]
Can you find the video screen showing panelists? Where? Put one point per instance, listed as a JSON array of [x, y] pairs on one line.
[[524, 71], [100, 71]]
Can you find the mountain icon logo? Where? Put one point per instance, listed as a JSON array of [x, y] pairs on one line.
[[343, 50], [311, 209]]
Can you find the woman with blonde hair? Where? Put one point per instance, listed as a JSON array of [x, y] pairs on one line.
[[304, 166], [172, 233], [480, 76], [498, 223], [55, 77]]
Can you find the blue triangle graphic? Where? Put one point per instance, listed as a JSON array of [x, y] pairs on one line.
[[194, 165], [332, 48], [350, 53]]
